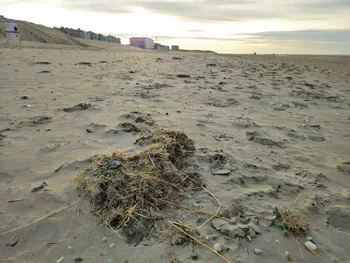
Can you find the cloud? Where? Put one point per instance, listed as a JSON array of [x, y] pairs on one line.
[[220, 10], [210, 11], [322, 4], [336, 38], [214, 10], [96, 7], [13, 2], [330, 36], [323, 8], [309, 36], [193, 30], [193, 10]]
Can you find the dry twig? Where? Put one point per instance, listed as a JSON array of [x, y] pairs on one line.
[[200, 242], [313, 252], [59, 168], [41, 218], [301, 253], [217, 211], [17, 200], [197, 211]]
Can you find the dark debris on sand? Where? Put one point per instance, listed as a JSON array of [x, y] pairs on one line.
[[78, 107], [183, 76], [84, 63], [42, 63], [39, 120]]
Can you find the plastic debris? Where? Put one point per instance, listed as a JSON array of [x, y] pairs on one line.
[[112, 245], [59, 260], [282, 226], [217, 247], [310, 245], [114, 164], [285, 231]]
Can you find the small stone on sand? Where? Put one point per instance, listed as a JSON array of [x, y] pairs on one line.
[[258, 251]]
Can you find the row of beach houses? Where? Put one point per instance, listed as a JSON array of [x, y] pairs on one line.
[[140, 42], [88, 35]]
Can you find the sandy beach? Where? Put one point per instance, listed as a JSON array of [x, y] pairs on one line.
[[280, 124]]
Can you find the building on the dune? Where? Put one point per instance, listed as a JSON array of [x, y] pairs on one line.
[[69, 31], [142, 42], [81, 33], [72, 32], [113, 39], [175, 48], [88, 35], [93, 36], [161, 47], [101, 37]]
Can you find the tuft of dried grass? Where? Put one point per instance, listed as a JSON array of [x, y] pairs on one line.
[[294, 224], [124, 197]]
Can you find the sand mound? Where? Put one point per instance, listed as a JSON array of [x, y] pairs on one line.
[[39, 33], [125, 190]]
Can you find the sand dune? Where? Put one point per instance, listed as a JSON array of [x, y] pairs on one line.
[[39, 33], [34, 35]]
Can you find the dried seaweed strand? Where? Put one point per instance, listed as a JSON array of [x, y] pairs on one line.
[[217, 211], [197, 211], [313, 252], [17, 200], [40, 219], [301, 253], [110, 228], [200, 242]]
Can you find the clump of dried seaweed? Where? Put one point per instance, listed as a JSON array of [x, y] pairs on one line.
[[295, 224], [124, 189]]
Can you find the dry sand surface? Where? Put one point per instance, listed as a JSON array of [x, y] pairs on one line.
[[267, 129]]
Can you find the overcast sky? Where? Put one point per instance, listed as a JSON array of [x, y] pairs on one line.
[[229, 26]]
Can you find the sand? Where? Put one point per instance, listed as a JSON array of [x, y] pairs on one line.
[[280, 123]]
